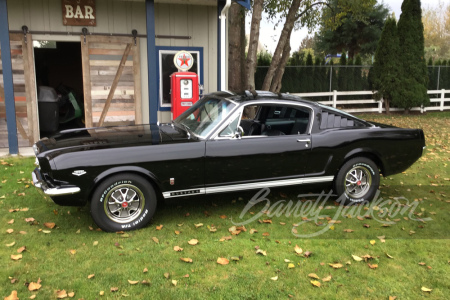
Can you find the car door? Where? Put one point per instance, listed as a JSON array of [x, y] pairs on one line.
[[265, 159]]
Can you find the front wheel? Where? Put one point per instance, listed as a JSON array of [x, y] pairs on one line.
[[123, 202], [357, 181]]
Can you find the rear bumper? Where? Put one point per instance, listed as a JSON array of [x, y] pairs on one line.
[[39, 182]]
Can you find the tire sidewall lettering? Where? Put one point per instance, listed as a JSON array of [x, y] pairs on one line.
[[366, 166], [106, 191]]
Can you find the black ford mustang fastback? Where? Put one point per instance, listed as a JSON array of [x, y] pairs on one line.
[[225, 142]]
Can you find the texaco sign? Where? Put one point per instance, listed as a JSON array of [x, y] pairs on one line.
[[183, 60]]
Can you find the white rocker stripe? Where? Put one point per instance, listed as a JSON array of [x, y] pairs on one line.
[[247, 186]]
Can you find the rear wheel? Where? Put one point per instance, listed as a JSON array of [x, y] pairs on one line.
[[123, 202], [357, 181]]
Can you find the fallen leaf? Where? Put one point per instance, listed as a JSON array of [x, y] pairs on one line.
[[16, 257], [186, 276], [174, 282], [177, 232], [222, 261], [95, 243], [382, 238], [11, 221], [73, 251], [10, 245], [187, 259], [235, 258], [268, 221], [425, 289], [286, 260], [77, 232], [193, 242], [49, 225], [392, 297], [90, 276], [71, 294], [389, 255], [422, 264], [328, 278], [223, 217], [145, 270], [132, 282], [266, 234], [374, 266], [313, 275], [46, 231], [10, 230], [336, 266], [298, 250], [177, 248], [101, 293], [24, 209], [155, 239], [13, 296], [159, 227], [307, 254], [114, 289], [372, 242], [262, 252], [33, 296], [22, 232], [357, 258], [198, 225], [291, 266], [274, 278], [348, 230], [366, 225], [61, 294], [21, 249], [167, 275], [34, 286], [315, 283]]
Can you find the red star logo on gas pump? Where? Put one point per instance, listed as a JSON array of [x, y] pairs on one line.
[[184, 60]]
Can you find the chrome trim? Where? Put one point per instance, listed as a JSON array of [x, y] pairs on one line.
[[246, 186], [182, 193], [62, 191], [215, 132], [40, 183]]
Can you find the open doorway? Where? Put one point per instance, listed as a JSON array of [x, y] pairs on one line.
[[59, 81]]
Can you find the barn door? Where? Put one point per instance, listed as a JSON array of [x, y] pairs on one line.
[[25, 99], [111, 80]]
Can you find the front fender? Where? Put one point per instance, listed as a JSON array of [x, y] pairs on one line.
[[128, 169]]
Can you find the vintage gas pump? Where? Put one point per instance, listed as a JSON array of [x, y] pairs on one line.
[[184, 85]]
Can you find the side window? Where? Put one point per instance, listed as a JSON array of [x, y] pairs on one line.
[[276, 121]]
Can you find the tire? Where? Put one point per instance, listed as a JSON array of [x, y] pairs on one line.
[[357, 181], [111, 213]]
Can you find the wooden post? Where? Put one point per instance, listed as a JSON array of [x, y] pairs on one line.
[[114, 85], [442, 99], [334, 98], [137, 84], [86, 81]]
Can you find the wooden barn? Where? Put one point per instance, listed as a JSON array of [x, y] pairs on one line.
[[85, 63]]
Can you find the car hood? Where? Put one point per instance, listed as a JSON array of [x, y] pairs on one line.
[[114, 137]]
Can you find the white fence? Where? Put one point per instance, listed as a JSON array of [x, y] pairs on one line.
[[379, 104]]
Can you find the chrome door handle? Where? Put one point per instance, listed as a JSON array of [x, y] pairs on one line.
[[307, 141]]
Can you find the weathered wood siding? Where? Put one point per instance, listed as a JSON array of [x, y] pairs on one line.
[[120, 16]]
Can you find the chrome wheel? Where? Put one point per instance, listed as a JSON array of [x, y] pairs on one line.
[[358, 182], [124, 203]]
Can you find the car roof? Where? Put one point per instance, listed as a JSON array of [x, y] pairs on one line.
[[244, 96]]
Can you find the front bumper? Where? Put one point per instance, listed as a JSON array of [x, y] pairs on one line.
[[39, 182]]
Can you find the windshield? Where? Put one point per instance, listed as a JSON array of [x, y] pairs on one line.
[[205, 115]]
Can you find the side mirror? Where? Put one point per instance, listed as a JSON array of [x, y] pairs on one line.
[[239, 133]]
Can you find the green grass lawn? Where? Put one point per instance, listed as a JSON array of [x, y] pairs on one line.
[[414, 255]]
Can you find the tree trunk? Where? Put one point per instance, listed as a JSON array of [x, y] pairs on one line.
[[387, 106], [236, 47], [277, 79], [285, 33], [250, 65]]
